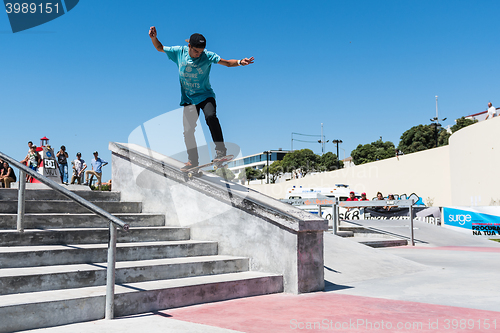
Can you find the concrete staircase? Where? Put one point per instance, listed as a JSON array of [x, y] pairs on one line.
[[369, 236], [55, 272]]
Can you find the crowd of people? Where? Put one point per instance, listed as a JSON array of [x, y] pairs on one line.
[[33, 160], [380, 196]]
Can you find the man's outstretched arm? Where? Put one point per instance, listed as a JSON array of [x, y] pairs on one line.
[[154, 39], [236, 63]]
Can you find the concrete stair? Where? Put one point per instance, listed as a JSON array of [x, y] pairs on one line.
[[55, 272], [369, 236]]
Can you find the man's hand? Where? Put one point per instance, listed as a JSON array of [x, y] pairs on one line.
[[152, 32], [246, 61]]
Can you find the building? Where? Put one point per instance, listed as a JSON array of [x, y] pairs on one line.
[[480, 116], [256, 161]]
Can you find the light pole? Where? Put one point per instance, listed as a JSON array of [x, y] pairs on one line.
[[267, 158], [337, 142], [322, 141], [436, 123]]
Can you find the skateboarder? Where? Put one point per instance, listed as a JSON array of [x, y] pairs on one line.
[[194, 64]]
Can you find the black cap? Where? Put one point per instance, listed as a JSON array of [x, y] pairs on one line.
[[78, 154], [96, 152], [198, 41]]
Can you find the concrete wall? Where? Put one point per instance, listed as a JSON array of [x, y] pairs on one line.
[[277, 237], [424, 173], [474, 164], [462, 173]]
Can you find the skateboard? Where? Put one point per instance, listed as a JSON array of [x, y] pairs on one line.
[[217, 163]]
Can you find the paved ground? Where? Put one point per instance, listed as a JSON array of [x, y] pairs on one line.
[[448, 282]]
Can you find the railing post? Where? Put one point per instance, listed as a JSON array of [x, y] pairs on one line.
[[411, 223], [20, 201], [335, 213], [110, 280]]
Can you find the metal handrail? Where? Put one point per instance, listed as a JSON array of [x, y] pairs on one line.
[[114, 221], [380, 203]]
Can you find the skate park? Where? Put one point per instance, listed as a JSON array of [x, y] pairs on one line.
[[265, 266]]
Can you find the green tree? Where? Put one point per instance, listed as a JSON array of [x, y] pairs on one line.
[[461, 123], [328, 162], [377, 150], [225, 173], [275, 170], [242, 176], [251, 174], [304, 159], [422, 137]]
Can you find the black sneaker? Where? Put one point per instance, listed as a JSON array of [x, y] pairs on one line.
[[189, 165], [219, 154]]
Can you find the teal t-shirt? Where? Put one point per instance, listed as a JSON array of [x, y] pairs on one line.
[[193, 73]]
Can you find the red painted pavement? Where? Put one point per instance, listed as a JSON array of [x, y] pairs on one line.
[[333, 312]]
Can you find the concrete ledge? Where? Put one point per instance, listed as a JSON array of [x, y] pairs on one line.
[[278, 238]]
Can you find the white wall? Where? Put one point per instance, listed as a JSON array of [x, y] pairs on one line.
[[475, 162], [449, 175]]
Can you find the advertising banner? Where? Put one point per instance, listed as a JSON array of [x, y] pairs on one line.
[[480, 221], [427, 214]]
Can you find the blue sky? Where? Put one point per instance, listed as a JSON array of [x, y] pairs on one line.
[[364, 69]]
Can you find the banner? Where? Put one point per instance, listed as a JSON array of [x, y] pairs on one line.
[[480, 221], [427, 214]]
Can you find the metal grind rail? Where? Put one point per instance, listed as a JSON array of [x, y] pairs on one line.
[[383, 203], [114, 222]]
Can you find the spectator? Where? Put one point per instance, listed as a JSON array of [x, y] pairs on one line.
[[7, 175], [380, 196], [363, 197], [492, 111], [97, 165], [62, 160], [25, 161], [79, 167], [390, 197], [32, 160], [399, 153], [352, 197]]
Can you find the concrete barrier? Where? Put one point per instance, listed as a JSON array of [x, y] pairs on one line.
[[277, 237]]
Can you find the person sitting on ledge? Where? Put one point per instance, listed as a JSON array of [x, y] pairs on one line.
[[7, 175]]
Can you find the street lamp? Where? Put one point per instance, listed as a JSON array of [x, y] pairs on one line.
[[337, 142], [436, 125], [322, 141]]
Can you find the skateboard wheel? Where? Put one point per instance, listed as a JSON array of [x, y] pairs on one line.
[[190, 174], [215, 167]]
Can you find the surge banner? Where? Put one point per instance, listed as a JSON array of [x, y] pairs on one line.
[[481, 221]]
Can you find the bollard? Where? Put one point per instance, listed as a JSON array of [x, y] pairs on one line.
[[335, 217]]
